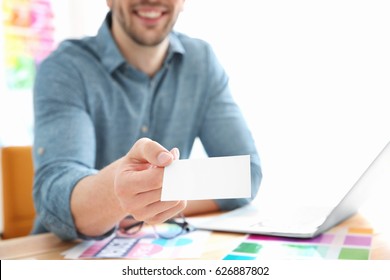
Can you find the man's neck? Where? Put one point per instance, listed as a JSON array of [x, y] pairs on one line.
[[146, 59]]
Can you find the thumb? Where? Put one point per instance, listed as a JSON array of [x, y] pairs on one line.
[[146, 150]]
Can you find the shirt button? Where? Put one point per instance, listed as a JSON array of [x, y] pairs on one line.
[[41, 151], [144, 129]]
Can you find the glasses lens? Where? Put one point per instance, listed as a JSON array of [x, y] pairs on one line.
[[168, 230], [172, 228], [129, 226], [134, 229]]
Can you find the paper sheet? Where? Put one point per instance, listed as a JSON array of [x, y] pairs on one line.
[[208, 178]]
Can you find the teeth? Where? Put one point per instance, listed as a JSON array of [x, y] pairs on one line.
[[150, 14]]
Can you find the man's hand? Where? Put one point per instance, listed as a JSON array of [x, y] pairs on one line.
[[138, 182]]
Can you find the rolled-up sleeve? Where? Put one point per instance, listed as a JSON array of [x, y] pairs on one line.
[[64, 145]]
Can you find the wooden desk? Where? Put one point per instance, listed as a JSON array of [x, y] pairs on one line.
[[48, 246]]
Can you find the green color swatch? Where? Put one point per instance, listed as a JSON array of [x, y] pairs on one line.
[[246, 247], [354, 254]]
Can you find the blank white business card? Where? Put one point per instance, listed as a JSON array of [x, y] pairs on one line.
[[208, 178]]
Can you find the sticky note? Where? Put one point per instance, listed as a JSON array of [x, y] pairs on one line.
[[208, 178]]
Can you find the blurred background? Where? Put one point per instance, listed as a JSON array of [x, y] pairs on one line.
[[311, 78]]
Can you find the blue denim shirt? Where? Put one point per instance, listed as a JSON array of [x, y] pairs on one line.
[[91, 106]]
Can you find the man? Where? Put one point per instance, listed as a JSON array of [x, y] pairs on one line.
[[111, 111]]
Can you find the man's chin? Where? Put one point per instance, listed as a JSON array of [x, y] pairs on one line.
[[149, 42]]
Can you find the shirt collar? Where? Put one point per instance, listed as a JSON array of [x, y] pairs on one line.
[[175, 46], [112, 58], [109, 53]]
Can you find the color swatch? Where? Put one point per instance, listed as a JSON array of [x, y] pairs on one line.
[[343, 244], [145, 246]]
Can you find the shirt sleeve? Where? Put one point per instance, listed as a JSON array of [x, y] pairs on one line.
[[64, 145], [224, 131]]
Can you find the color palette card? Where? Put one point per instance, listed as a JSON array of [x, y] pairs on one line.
[[344, 243], [189, 245]]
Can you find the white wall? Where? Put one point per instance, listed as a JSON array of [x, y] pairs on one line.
[[78, 18], [312, 79]]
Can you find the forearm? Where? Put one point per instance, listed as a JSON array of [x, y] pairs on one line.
[[195, 207], [96, 209], [94, 205]]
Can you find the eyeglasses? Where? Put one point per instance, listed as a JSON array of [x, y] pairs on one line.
[[168, 230]]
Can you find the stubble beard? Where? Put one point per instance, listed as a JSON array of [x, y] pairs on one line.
[[143, 39]]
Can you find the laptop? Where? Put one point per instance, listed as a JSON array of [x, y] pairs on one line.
[[303, 222]]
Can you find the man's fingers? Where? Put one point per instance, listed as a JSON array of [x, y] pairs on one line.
[[176, 153], [142, 200], [139, 179], [174, 209], [148, 151]]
